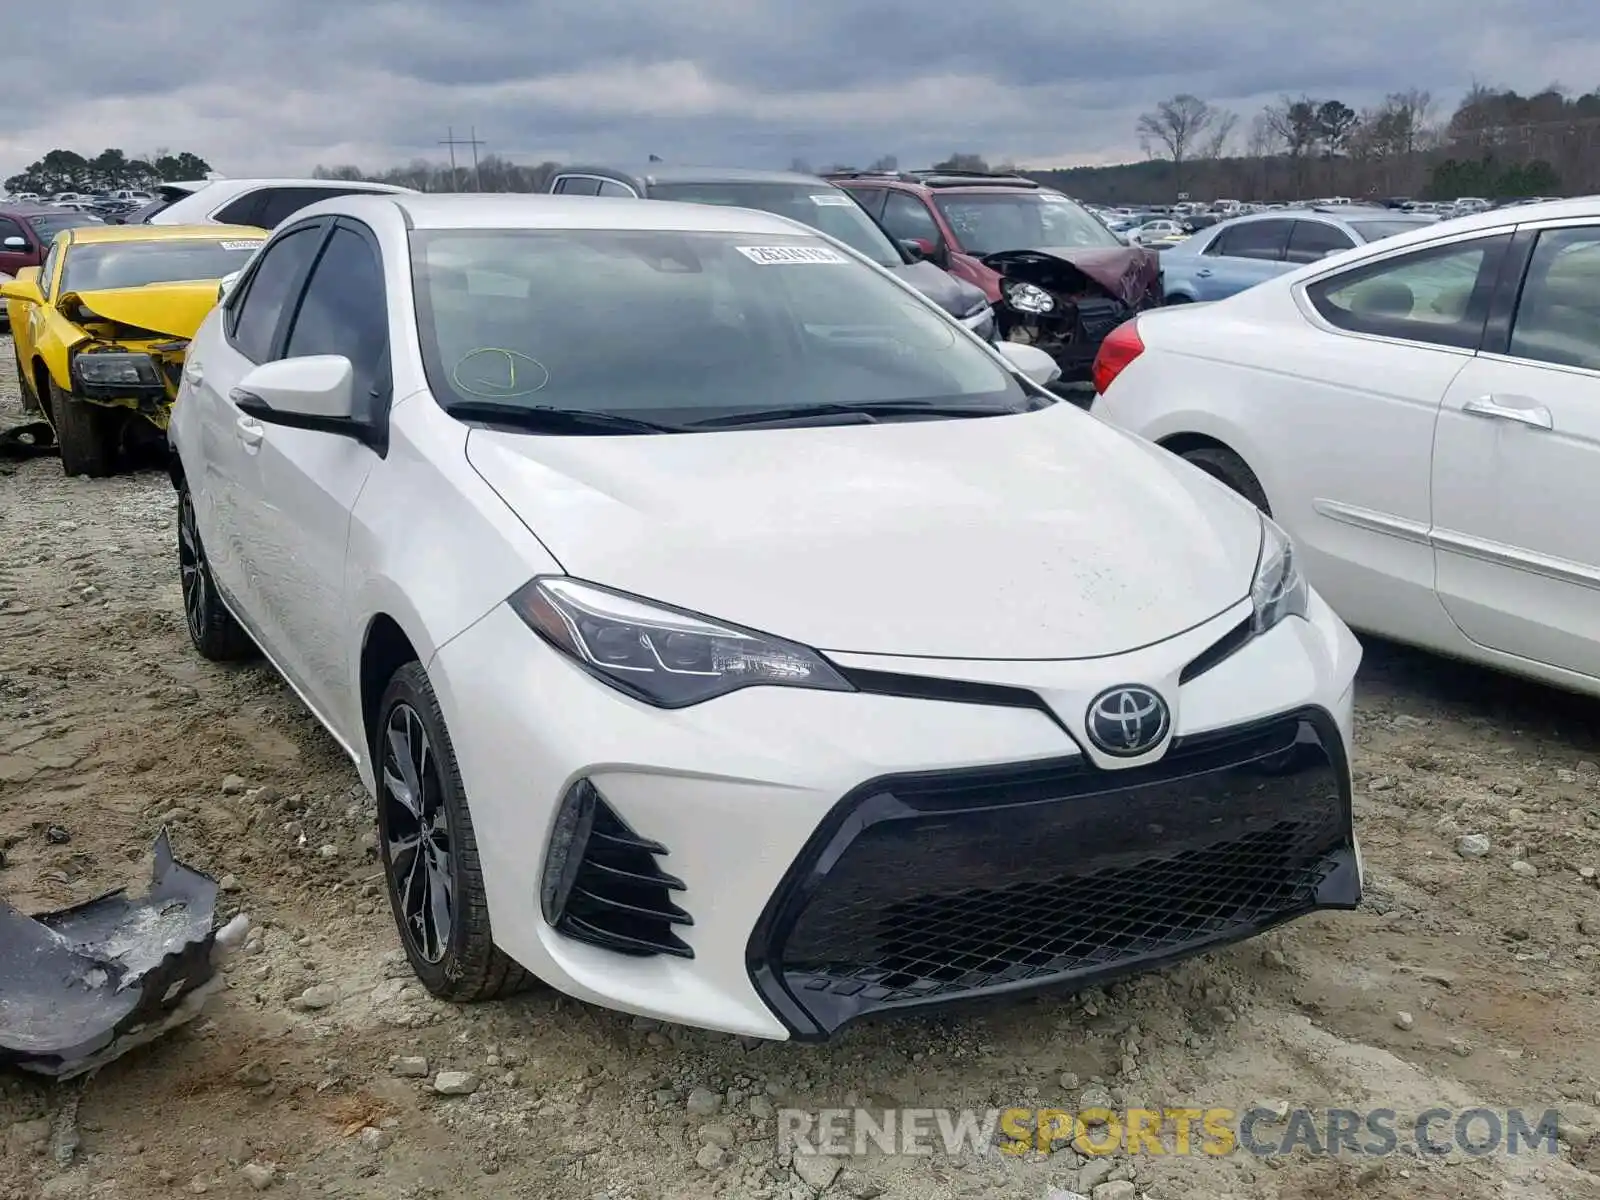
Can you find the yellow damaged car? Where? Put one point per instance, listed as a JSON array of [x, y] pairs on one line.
[[101, 328]]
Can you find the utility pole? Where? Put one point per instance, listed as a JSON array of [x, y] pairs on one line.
[[450, 139]]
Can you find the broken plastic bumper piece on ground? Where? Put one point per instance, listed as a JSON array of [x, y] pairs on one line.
[[84, 985]]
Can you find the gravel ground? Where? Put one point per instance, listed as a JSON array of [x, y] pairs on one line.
[[1465, 981]]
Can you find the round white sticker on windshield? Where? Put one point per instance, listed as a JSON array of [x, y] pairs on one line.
[[831, 198]]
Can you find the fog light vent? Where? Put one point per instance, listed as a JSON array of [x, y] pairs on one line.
[[602, 884]]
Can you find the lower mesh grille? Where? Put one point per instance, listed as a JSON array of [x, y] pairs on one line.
[[934, 945], [611, 890], [934, 888]]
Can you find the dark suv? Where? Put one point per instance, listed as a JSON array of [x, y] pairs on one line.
[[804, 198], [1059, 278]]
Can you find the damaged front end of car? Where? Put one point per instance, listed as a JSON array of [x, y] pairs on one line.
[[1065, 301], [132, 348]]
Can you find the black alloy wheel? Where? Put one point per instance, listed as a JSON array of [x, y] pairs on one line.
[[416, 835], [429, 850], [212, 628]]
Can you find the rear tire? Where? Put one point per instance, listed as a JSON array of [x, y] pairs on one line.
[[430, 852], [88, 434], [1227, 467], [212, 629]]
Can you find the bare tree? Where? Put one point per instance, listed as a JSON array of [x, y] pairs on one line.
[[1173, 129], [884, 162], [1216, 143]]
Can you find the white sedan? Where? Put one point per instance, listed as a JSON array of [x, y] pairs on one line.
[[1422, 415], [728, 636]]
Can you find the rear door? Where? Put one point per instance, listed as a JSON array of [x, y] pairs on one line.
[[1347, 442], [1516, 463], [229, 441]]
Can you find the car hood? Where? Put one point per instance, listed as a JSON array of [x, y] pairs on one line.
[[1126, 272], [171, 309], [956, 296], [1044, 535]]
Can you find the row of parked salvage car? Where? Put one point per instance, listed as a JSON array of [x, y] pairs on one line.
[[730, 636]]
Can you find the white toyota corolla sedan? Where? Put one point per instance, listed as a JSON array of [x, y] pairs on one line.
[[1422, 415], [729, 637]]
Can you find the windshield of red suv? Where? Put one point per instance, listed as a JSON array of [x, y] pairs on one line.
[[989, 222], [819, 205]]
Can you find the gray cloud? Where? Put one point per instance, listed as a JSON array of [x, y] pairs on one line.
[[276, 86]]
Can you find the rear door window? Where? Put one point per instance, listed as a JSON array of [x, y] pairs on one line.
[[1312, 240], [1438, 296], [1265, 240]]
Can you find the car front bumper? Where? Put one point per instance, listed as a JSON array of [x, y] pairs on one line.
[[848, 853]]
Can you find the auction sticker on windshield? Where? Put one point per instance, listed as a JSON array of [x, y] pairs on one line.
[[831, 198], [769, 256]]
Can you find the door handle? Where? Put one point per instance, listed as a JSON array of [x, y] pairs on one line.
[[250, 431], [193, 372], [1204, 273], [1535, 416]]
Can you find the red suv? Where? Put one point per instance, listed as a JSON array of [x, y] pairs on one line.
[[1057, 275]]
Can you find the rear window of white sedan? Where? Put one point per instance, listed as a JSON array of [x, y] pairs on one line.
[[680, 326]]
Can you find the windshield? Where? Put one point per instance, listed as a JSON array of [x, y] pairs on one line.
[[50, 224], [1372, 231], [819, 205], [101, 265], [987, 223], [694, 326]]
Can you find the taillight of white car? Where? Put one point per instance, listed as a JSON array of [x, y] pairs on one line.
[[1122, 345]]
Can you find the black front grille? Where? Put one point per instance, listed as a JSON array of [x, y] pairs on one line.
[[604, 885], [929, 889]]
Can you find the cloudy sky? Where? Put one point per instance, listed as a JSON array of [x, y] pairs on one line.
[[278, 86]]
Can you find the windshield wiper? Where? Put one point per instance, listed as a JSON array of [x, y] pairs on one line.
[[544, 418], [869, 413]]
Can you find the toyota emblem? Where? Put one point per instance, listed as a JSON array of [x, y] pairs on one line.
[[1128, 720]]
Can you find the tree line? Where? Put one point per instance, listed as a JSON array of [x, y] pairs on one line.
[[69, 171], [1496, 143]]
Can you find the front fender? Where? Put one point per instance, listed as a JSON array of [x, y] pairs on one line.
[[53, 342]]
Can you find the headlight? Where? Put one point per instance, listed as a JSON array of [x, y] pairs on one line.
[[1025, 297], [1279, 589], [663, 656], [115, 368]]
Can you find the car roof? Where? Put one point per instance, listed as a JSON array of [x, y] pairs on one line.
[[535, 210], [362, 185], [654, 173], [94, 234], [26, 208]]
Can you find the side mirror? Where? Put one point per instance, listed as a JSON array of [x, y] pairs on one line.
[[23, 288], [315, 392], [917, 249], [1031, 362], [14, 242], [225, 284]]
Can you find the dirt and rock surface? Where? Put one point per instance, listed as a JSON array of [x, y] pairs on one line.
[[1467, 980]]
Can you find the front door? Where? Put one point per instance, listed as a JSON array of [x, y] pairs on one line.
[[310, 482], [1516, 469]]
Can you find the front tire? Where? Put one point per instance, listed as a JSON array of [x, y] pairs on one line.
[[1227, 467], [88, 434], [429, 850], [212, 628]]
